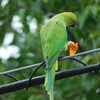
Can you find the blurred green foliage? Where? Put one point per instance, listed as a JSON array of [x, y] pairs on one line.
[[30, 15]]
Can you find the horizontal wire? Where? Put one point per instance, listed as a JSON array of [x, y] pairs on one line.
[[81, 54], [18, 69], [40, 79], [61, 58], [33, 73]]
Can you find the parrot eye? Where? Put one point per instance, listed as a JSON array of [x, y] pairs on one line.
[[74, 23]]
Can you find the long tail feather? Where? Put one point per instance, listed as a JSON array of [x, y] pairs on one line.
[[49, 80]]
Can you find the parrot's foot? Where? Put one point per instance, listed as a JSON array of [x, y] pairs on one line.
[[73, 47]]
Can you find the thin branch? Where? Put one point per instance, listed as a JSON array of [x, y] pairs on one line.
[[40, 79], [61, 58], [79, 61], [33, 74], [11, 76]]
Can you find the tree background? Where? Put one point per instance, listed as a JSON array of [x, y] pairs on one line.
[[20, 23]]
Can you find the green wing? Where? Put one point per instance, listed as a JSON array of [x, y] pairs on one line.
[[53, 38]]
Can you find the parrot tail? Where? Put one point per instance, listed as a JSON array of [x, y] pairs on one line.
[[49, 79]]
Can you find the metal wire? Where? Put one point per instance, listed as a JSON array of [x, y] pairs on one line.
[[33, 74], [61, 58], [11, 76], [69, 73], [40, 79]]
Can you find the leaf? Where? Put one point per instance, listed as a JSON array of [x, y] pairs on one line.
[[87, 83], [36, 6], [84, 15], [92, 95], [94, 9], [21, 12], [2, 33], [45, 1]]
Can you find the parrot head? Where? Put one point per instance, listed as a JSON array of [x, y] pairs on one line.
[[70, 19]]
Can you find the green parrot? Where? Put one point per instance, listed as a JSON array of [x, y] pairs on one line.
[[53, 37]]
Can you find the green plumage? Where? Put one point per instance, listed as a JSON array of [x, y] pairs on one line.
[[53, 39], [52, 42]]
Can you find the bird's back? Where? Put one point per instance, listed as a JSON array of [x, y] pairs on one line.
[[53, 38]]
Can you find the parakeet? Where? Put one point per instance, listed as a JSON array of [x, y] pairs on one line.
[[53, 37]]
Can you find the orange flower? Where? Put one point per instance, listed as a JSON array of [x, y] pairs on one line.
[[73, 47]]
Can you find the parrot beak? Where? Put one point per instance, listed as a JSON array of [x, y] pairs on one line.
[[74, 24]]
